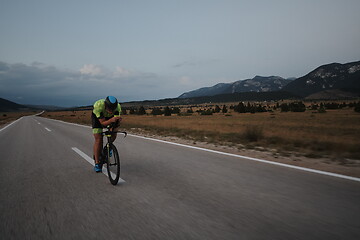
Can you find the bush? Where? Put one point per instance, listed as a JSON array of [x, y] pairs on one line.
[[156, 111], [141, 111], [253, 133], [207, 112], [217, 109], [175, 110], [167, 111], [284, 107], [297, 107], [184, 114], [357, 107], [321, 110], [190, 110], [240, 108]]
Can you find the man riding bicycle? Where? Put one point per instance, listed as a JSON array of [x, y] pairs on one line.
[[106, 112]]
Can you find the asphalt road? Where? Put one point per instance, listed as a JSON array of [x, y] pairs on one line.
[[49, 191]]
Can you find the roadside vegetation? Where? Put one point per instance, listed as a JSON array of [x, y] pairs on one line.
[[313, 129], [7, 117]]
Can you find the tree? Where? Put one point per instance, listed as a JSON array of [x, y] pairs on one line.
[[207, 112], [167, 111], [314, 106], [156, 111], [240, 108], [357, 107], [217, 109], [284, 107], [297, 107], [141, 111], [132, 111], [175, 110]]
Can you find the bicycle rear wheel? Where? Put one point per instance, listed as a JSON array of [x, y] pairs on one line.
[[113, 164]]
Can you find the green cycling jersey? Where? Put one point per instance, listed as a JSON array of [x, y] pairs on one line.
[[100, 111]]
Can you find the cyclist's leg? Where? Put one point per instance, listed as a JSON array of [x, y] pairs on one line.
[[113, 136], [115, 129], [97, 131], [98, 145]]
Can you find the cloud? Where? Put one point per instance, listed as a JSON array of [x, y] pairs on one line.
[[185, 64], [185, 80], [121, 72], [91, 69], [195, 63], [38, 83]]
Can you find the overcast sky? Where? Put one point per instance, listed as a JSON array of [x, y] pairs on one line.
[[73, 52]]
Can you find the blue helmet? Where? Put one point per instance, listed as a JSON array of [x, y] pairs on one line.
[[111, 103]]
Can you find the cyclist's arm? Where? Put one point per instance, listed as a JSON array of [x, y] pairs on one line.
[[105, 122]]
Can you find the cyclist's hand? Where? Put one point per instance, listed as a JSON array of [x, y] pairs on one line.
[[115, 119]]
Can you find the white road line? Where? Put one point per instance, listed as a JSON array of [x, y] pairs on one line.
[[39, 113], [255, 159], [239, 156], [48, 129], [74, 124], [91, 161], [10, 124]]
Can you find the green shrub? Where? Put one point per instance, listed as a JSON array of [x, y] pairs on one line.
[[207, 112]]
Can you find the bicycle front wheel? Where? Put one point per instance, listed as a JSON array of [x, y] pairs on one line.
[[113, 164]]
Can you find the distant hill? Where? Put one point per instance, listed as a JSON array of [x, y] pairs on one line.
[[335, 76], [46, 107], [334, 94], [8, 106], [256, 84], [221, 98]]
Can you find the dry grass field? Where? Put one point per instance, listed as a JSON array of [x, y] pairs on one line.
[[6, 117], [335, 133], [325, 141]]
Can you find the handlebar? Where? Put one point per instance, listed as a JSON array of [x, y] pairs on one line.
[[108, 132]]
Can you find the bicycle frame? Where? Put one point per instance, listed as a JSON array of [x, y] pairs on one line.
[[105, 155], [108, 135]]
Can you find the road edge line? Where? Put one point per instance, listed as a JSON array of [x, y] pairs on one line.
[[238, 156], [10, 124], [75, 124], [255, 159]]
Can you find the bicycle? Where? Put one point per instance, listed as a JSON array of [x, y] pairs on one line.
[[110, 157]]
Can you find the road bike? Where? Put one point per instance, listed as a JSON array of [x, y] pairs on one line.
[[110, 156]]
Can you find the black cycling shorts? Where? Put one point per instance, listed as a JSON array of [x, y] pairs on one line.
[[96, 125]]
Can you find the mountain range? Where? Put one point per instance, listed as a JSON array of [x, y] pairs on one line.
[[8, 106], [334, 76], [330, 81], [256, 84]]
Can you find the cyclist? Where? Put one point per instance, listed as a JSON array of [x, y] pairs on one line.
[[106, 112]]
